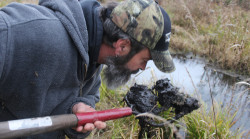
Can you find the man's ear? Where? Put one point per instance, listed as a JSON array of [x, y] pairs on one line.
[[122, 47]]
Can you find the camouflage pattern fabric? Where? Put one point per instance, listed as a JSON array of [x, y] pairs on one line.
[[163, 60], [141, 19]]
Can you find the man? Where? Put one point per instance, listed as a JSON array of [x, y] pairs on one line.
[[51, 55]]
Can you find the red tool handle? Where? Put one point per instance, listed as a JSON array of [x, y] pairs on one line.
[[105, 115]]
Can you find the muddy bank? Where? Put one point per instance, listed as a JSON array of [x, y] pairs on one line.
[[158, 99]]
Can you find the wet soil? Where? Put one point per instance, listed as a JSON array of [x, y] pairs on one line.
[[162, 96]]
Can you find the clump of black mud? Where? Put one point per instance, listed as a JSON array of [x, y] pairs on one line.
[[162, 96]]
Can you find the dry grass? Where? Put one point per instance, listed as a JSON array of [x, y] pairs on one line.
[[5, 2], [215, 30]]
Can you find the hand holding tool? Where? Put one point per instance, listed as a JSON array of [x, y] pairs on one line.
[[32, 126]]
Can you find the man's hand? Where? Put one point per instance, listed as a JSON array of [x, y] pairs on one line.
[[80, 108]]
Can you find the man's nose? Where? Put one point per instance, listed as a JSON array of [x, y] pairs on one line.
[[143, 66]]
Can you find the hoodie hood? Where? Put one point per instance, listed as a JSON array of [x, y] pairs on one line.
[[73, 20], [91, 10]]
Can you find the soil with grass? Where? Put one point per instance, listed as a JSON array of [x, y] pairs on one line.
[[160, 98]]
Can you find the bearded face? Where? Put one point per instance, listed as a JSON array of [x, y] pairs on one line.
[[116, 73]]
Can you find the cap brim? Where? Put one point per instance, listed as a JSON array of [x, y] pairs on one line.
[[163, 60]]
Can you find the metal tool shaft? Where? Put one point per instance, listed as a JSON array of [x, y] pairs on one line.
[[33, 126], [27, 127]]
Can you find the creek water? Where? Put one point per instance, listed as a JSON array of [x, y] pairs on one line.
[[195, 77]]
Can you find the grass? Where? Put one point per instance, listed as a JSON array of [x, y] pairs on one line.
[[121, 128], [5, 2], [218, 31], [200, 123], [215, 122]]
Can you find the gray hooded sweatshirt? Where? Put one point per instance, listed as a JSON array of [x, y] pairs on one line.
[[48, 59]]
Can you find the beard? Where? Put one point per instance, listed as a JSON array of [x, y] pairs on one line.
[[116, 73]]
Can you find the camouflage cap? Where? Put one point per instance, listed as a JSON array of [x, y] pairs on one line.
[[146, 22]]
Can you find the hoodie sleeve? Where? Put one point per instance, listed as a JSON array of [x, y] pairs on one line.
[[72, 134], [90, 94], [90, 97], [89, 90]]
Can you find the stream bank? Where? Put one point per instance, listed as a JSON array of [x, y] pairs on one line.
[[195, 76]]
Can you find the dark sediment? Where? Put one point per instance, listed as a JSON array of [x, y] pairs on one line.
[[160, 98]]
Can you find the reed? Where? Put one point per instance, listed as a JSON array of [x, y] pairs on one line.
[[217, 121], [198, 126], [121, 128], [215, 30]]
